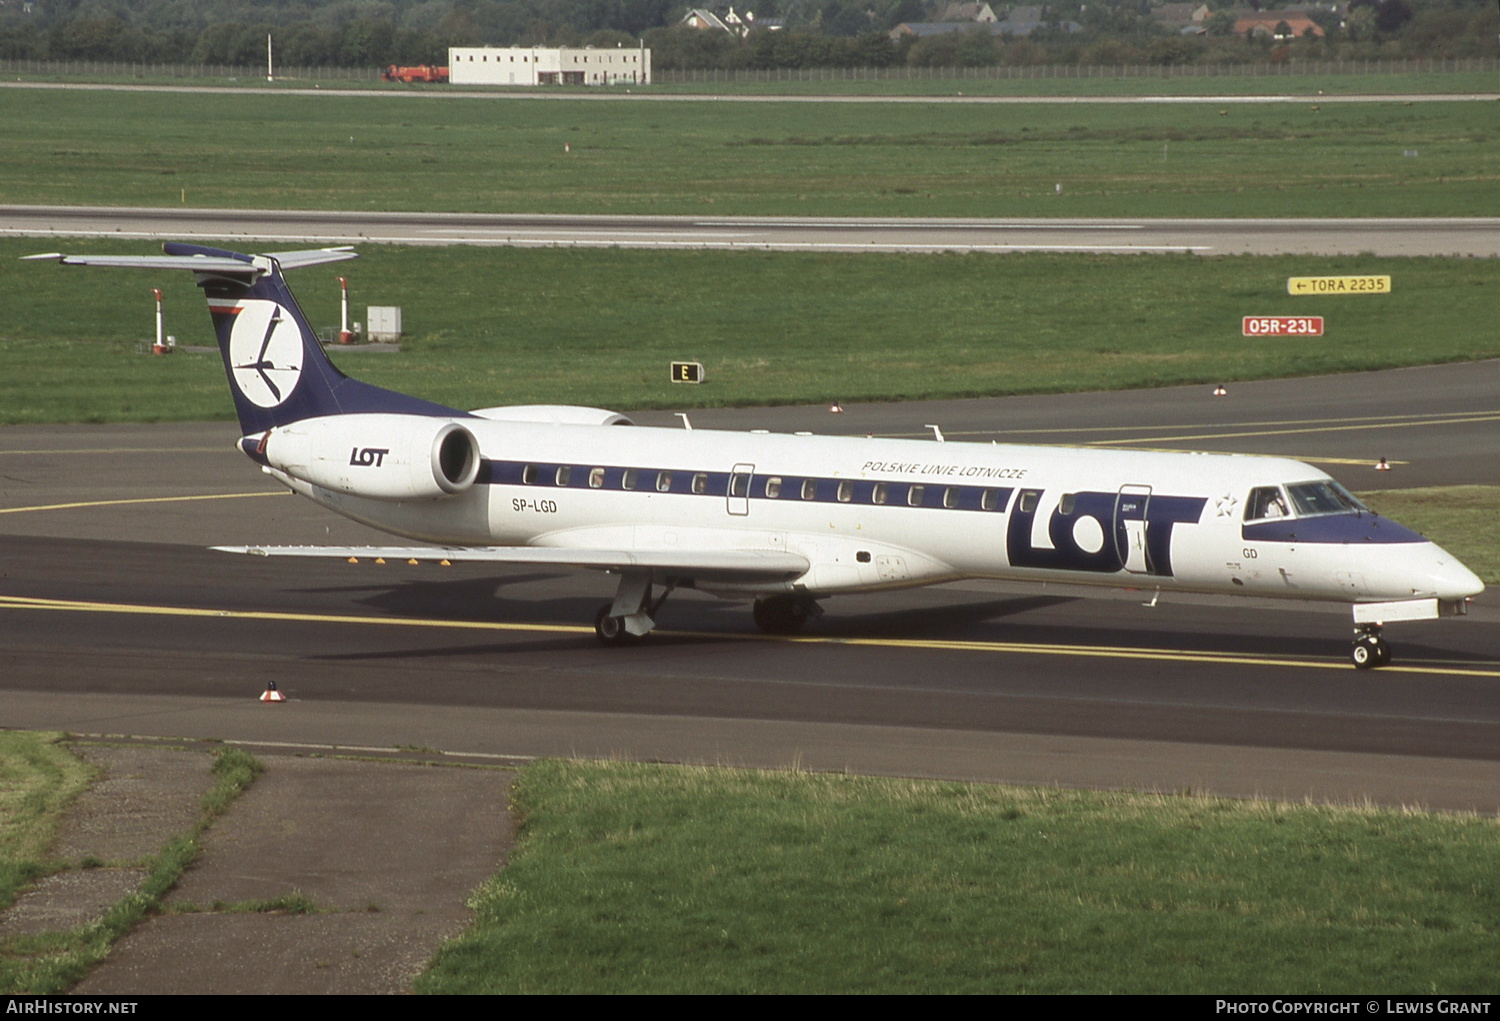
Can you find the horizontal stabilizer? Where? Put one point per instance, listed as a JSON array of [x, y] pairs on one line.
[[695, 563], [204, 263], [197, 263], [312, 257]]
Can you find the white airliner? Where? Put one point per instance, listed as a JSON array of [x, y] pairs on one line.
[[785, 520]]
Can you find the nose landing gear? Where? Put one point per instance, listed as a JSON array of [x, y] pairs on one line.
[[1370, 649]]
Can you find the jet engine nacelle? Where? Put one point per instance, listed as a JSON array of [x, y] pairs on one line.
[[383, 457], [553, 414]]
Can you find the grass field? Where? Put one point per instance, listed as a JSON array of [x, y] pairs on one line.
[[658, 879], [301, 150], [599, 327], [1464, 520]]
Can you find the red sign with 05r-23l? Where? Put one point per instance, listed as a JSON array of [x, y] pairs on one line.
[[1283, 326]]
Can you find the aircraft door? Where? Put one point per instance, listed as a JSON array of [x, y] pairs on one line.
[[1131, 504], [738, 493]]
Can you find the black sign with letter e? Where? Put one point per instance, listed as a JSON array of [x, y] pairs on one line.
[[687, 372]]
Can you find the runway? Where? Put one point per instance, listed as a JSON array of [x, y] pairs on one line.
[[114, 618], [1477, 236]]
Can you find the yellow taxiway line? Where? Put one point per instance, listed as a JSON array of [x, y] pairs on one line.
[[1017, 648], [144, 499]]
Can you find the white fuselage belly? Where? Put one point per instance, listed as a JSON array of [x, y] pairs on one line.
[[1118, 518]]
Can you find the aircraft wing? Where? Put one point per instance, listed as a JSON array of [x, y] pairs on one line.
[[722, 564]]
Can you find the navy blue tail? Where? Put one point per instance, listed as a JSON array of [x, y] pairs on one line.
[[278, 372]]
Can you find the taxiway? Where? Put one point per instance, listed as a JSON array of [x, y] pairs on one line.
[[115, 618]]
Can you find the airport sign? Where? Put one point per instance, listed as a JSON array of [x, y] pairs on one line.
[[687, 372], [1339, 285], [1282, 326]]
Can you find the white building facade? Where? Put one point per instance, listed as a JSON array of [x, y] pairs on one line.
[[540, 65]]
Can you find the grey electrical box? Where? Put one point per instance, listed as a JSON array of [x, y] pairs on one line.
[[383, 322]]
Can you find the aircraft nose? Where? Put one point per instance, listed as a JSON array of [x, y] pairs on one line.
[[1423, 571], [1449, 578]]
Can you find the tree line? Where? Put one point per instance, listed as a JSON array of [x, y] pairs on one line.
[[813, 33]]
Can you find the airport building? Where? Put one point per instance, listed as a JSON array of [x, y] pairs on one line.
[[542, 65]]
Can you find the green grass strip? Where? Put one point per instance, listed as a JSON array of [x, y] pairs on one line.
[[51, 963], [600, 327], [659, 879], [302, 150], [1464, 520], [1088, 82], [38, 779]]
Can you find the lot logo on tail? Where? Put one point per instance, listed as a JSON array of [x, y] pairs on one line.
[[265, 353]]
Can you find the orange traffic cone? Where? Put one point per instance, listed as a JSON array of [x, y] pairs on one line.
[[271, 694]]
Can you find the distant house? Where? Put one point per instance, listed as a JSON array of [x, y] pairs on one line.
[[705, 21], [1010, 26], [1179, 16], [968, 12], [1277, 25], [735, 24]]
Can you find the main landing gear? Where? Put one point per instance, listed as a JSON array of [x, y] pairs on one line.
[[1370, 648], [630, 617]]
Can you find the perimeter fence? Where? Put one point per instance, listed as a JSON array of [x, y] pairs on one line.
[[134, 69], [1289, 68]]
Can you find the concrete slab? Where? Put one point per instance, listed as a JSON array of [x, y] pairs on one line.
[[386, 852]]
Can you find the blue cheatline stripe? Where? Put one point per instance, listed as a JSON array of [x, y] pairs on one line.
[[1332, 528], [679, 482]]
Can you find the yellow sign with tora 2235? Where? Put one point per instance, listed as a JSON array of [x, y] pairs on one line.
[[1339, 285]]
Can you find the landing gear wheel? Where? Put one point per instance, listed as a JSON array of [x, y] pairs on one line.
[[611, 630], [1370, 651], [781, 615]]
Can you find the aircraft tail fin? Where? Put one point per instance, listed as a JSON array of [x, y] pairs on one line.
[[277, 369]]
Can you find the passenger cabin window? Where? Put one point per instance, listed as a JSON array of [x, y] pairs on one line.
[[950, 497], [990, 500], [700, 483], [663, 481], [564, 473], [809, 489], [528, 475], [1265, 502], [630, 478], [914, 496], [1028, 501], [1065, 503], [846, 492], [739, 485], [773, 487], [878, 494], [596, 478]]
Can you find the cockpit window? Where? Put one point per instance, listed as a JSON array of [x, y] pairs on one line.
[[1265, 502], [1323, 498]]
